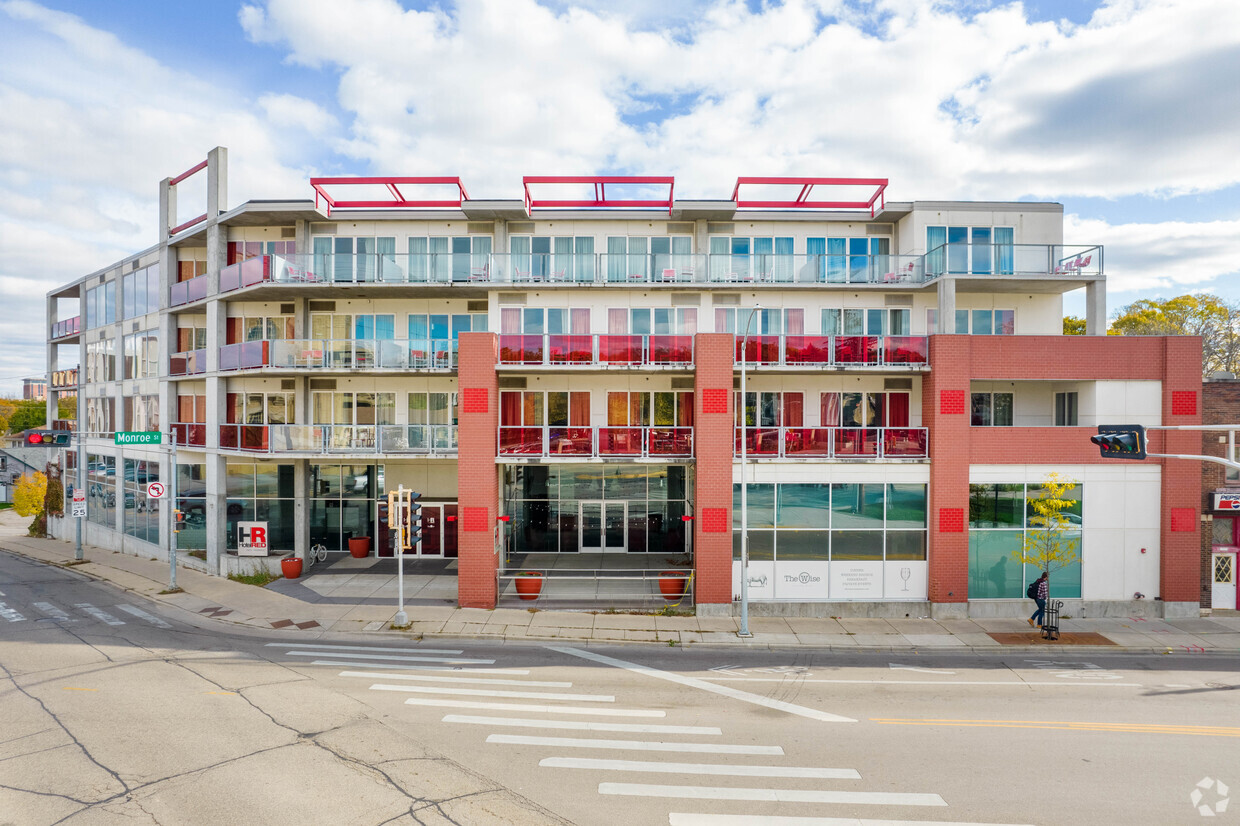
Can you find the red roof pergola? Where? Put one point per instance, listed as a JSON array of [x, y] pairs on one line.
[[391, 188], [599, 184], [805, 187]]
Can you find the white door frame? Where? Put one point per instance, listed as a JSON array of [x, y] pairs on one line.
[[604, 507], [1223, 591]]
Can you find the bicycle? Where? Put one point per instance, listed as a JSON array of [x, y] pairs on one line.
[[317, 553]]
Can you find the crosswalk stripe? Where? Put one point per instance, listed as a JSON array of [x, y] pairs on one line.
[[98, 613], [10, 614], [632, 745], [703, 819], [456, 669], [140, 614], [482, 692], [699, 768], [772, 795], [694, 682], [602, 711], [394, 657], [433, 678], [332, 647], [53, 612], [580, 725]]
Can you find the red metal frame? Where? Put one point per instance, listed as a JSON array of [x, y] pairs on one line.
[[599, 182], [173, 182], [807, 185], [399, 201]]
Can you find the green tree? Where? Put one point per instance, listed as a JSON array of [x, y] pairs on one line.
[[1073, 326], [1217, 322], [1051, 540]]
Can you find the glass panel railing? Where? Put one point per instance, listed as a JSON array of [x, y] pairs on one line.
[[856, 350], [834, 442], [517, 349], [905, 350], [620, 441], [296, 352], [602, 349], [252, 437], [297, 438], [1013, 259], [670, 349], [807, 349], [807, 441], [620, 349], [856, 442], [759, 441], [418, 438], [599, 442], [905, 442], [570, 441], [669, 441], [245, 356], [570, 349], [67, 327], [189, 434], [189, 363], [521, 441], [758, 349]]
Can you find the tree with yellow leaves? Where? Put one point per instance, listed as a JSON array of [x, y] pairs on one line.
[[1051, 541], [28, 496]]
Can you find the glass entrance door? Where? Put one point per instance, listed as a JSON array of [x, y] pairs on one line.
[[603, 527]]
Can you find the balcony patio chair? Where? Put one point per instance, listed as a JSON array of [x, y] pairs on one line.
[[479, 273], [668, 275]]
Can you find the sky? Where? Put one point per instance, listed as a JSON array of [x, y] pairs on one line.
[[1126, 112]]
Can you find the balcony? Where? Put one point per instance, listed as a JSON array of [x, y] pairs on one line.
[[701, 268], [66, 328], [65, 379], [1019, 260], [602, 350], [340, 354], [186, 292], [189, 434], [189, 363], [834, 351], [554, 442], [417, 440], [833, 442]]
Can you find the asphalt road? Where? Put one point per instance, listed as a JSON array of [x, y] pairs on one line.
[[112, 711]]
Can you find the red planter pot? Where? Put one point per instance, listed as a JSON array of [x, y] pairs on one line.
[[359, 547], [290, 567], [529, 587], [672, 584]]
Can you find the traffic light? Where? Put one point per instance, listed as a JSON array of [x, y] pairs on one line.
[[48, 438], [1120, 441], [178, 521], [414, 535]]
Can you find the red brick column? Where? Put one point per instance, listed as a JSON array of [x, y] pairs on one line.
[[1180, 530], [477, 477], [945, 413], [713, 440]]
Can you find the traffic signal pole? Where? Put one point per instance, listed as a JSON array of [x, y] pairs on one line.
[[78, 555], [402, 516], [1231, 444], [171, 489]]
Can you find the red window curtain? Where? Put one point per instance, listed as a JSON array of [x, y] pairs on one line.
[[617, 321], [200, 409], [617, 409], [510, 409], [684, 410], [579, 409], [579, 319], [233, 408], [794, 322], [234, 253], [232, 331], [794, 405], [532, 413], [897, 409], [185, 408], [830, 410]]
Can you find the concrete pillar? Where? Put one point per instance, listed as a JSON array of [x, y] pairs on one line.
[[477, 477], [947, 305], [50, 406], [301, 510], [714, 434], [945, 414], [167, 208], [217, 505], [217, 182], [1096, 308]]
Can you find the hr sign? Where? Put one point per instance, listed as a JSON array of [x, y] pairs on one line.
[[251, 539]]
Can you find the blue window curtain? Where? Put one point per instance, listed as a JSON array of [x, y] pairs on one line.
[[859, 260], [385, 327], [982, 263], [363, 327], [343, 263], [461, 258], [322, 249], [816, 262], [836, 260], [440, 259], [719, 246], [958, 249], [740, 258], [583, 258], [783, 267], [417, 259], [617, 250], [1005, 252], [540, 263], [562, 258], [519, 247], [936, 255]]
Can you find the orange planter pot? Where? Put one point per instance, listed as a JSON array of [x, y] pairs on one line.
[[359, 547], [529, 587], [672, 584], [290, 567]]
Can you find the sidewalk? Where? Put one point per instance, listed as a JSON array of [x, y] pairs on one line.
[[227, 602]]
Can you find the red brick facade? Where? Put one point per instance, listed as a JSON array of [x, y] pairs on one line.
[[477, 477], [1220, 405], [714, 436]]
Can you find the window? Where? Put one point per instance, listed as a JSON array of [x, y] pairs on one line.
[[140, 292], [356, 259], [999, 522], [263, 408], [991, 409], [546, 258], [257, 328], [356, 409], [141, 355], [978, 322], [864, 409], [101, 361], [141, 412], [141, 514], [101, 305], [101, 490], [537, 321], [192, 501], [1065, 409], [101, 415], [260, 493], [192, 263], [766, 409], [191, 338], [872, 321], [245, 250], [977, 250], [441, 259], [432, 420]]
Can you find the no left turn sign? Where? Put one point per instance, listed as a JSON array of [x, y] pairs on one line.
[[155, 490]]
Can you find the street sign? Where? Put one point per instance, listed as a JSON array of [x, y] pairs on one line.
[[155, 490], [79, 503], [126, 437]]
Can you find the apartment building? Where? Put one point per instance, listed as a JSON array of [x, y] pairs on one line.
[[559, 375]]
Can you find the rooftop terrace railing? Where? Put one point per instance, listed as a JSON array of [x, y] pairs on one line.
[[606, 350], [428, 440], [1013, 260], [833, 442], [341, 354]]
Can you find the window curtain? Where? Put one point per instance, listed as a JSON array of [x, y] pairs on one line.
[[794, 406], [816, 262], [617, 321], [936, 258], [342, 269], [579, 319], [725, 320], [836, 259], [1005, 249], [440, 259], [684, 409], [232, 331], [686, 321], [876, 404], [782, 269], [617, 409], [583, 263], [509, 321], [829, 412], [562, 257], [617, 252], [719, 263], [897, 409], [385, 259], [519, 247], [510, 409], [385, 327], [579, 409], [794, 322]]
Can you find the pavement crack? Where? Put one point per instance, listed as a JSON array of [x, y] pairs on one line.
[[70, 798]]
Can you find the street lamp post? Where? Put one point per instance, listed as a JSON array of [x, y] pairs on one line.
[[744, 631]]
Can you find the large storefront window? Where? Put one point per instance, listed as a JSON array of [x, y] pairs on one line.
[[101, 489], [260, 493], [833, 541], [999, 522], [342, 503], [596, 508], [141, 514], [192, 501]]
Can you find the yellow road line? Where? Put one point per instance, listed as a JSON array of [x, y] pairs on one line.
[[1136, 728], [73, 688]]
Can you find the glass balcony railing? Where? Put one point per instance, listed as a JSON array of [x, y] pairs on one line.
[[329, 439], [596, 442], [833, 442], [67, 327], [341, 354], [189, 434], [189, 363], [833, 350], [184, 292], [616, 350], [1013, 260]]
